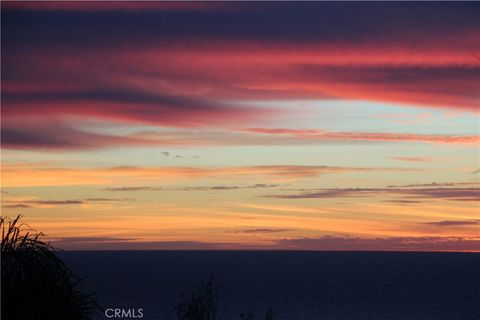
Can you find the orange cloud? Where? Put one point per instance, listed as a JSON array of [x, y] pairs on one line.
[[20, 175]]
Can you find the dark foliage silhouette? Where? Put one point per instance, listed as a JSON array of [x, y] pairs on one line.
[[36, 284], [269, 315], [251, 316], [247, 316], [201, 304]]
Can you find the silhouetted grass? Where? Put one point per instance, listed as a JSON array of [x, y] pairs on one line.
[[201, 304], [269, 315], [36, 284], [251, 316], [247, 316]]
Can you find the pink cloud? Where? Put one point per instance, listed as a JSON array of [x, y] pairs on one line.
[[166, 68]]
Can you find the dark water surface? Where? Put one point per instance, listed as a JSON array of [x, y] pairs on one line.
[[297, 285]]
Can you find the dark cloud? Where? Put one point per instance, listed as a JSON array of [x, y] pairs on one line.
[[403, 201], [382, 244], [454, 194], [457, 194], [92, 239], [261, 230], [215, 188], [437, 184], [308, 21], [189, 68], [105, 199], [32, 203], [326, 193], [116, 6], [58, 136], [137, 106], [143, 188], [193, 188], [54, 202], [326, 243], [17, 206], [263, 185], [453, 223], [120, 243], [118, 105]]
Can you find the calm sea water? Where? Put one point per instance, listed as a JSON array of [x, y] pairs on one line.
[[297, 285]]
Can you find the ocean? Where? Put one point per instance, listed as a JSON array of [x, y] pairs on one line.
[[296, 285]]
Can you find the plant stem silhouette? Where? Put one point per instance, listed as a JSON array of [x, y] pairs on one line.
[[201, 304]]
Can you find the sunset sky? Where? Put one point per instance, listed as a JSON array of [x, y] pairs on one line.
[[247, 125]]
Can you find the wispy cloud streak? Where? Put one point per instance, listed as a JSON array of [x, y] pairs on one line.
[[58, 136], [20, 175], [335, 243], [454, 223], [369, 136], [383, 244], [193, 188], [456, 194]]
